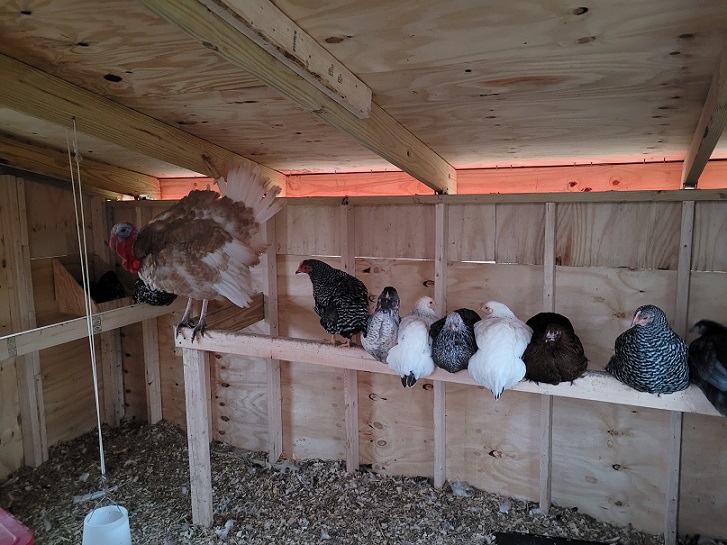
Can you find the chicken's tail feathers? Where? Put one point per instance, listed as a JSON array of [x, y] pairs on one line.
[[246, 184]]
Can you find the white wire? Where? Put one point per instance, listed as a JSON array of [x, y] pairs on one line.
[[83, 249]]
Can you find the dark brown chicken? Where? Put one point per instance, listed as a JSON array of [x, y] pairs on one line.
[[341, 300], [555, 353]]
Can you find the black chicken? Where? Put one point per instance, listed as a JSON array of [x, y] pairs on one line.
[[453, 339], [555, 353], [108, 288], [708, 362], [382, 327], [649, 356], [341, 300], [151, 296]]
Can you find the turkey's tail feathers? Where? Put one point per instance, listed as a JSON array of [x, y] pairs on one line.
[[246, 184]]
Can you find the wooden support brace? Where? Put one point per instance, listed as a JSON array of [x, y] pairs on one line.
[[275, 398], [196, 391], [350, 399], [152, 371], [674, 459], [546, 406], [350, 376], [113, 377], [441, 237]]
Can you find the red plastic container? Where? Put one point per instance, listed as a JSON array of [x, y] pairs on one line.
[[12, 532]]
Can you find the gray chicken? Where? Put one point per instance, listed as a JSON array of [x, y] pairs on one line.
[[383, 325], [649, 356], [708, 362], [555, 353], [341, 300], [453, 339]]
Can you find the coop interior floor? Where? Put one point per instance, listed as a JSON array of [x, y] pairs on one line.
[[255, 502]]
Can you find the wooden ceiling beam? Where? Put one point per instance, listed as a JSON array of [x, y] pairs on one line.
[[710, 126], [36, 93], [99, 178], [265, 24], [380, 132]]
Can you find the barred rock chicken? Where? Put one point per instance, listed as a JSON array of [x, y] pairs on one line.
[[382, 327], [501, 340], [649, 356], [411, 357], [202, 247], [555, 353], [708, 362], [341, 300], [453, 339]]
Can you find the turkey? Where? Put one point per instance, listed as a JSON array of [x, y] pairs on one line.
[[555, 353], [202, 247], [708, 362], [649, 356], [501, 340], [383, 325], [411, 357], [453, 339], [341, 300]]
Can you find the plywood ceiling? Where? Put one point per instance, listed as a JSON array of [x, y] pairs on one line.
[[479, 83]]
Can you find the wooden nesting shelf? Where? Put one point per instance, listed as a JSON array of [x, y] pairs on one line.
[[70, 295]]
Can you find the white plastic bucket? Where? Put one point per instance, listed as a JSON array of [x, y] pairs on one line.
[[108, 525]]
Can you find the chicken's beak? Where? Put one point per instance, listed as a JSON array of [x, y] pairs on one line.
[[635, 321]]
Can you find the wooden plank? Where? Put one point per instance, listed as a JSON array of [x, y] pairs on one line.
[[709, 244], [42, 95], [350, 401], [546, 401], [609, 460], [513, 198], [441, 259], [380, 132], [152, 371], [380, 231], [266, 25], [309, 230], [113, 377], [576, 181], [519, 233], [22, 314], [674, 457], [347, 220], [274, 395], [594, 386], [710, 126], [603, 235], [40, 338], [197, 395], [99, 178], [681, 316]]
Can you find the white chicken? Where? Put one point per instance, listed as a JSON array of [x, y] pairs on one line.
[[411, 357], [501, 340]]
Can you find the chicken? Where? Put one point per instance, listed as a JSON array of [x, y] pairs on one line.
[[341, 300], [501, 340], [202, 247], [411, 357], [708, 362], [649, 356], [145, 294], [453, 339], [555, 353], [383, 325], [108, 288]]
